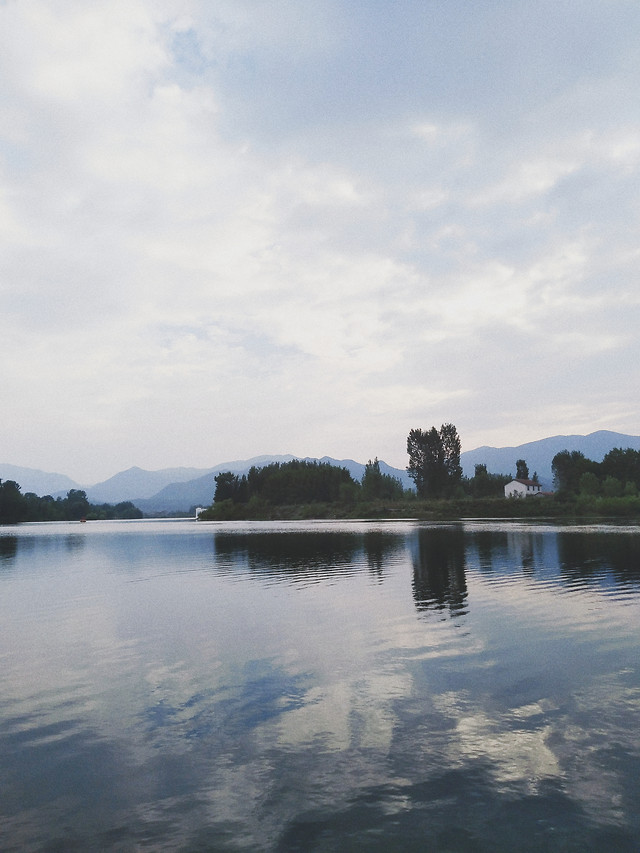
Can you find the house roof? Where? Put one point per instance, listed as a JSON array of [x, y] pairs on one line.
[[525, 482]]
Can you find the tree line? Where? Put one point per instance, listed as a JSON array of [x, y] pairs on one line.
[[299, 482], [16, 507], [434, 466], [618, 475], [435, 469]]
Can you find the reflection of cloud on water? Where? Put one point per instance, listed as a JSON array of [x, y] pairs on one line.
[[526, 748], [307, 557], [293, 718], [512, 745], [347, 715], [519, 758]]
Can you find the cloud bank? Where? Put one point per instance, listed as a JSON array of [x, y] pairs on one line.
[[241, 228]]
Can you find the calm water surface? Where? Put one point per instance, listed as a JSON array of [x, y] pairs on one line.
[[176, 686]]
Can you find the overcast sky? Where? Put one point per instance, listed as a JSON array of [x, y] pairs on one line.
[[238, 227]]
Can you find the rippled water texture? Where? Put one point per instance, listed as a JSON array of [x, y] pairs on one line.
[[319, 687]]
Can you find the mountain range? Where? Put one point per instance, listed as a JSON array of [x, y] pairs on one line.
[[180, 489]]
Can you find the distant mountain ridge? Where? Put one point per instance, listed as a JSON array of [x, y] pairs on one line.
[[179, 489], [138, 483], [37, 481]]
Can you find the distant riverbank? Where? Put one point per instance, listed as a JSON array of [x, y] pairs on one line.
[[436, 510]]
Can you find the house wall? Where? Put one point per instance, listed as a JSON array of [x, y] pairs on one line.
[[520, 490], [515, 490]]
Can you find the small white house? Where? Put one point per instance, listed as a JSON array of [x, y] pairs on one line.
[[522, 489]]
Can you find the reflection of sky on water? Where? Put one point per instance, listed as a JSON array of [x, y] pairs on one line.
[[468, 690]]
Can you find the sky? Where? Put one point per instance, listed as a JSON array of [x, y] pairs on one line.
[[242, 227]]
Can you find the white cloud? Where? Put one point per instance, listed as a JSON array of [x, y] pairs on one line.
[[212, 220]]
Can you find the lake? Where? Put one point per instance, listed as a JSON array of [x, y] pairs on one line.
[[329, 686]]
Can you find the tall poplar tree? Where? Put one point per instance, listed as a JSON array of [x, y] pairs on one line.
[[434, 460]]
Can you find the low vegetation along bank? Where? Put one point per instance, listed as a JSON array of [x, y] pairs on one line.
[[429, 510]]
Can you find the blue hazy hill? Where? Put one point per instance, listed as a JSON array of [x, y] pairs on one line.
[[37, 481]]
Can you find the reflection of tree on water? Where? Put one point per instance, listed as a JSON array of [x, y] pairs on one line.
[[291, 553], [8, 547], [512, 550], [379, 546], [590, 555], [303, 555], [485, 546], [439, 580]]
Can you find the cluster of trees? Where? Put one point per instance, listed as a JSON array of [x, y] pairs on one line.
[[434, 466], [378, 486], [434, 461], [16, 507], [618, 475], [485, 485], [301, 482]]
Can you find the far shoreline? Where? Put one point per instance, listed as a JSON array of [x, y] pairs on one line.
[[504, 509]]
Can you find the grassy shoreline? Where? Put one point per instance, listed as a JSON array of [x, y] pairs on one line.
[[434, 510]]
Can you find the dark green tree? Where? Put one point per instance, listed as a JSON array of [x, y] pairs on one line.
[[451, 447], [589, 484], [230, 486], [76, 504], [623, 464], [486, 485], [522, 470], [434, 460], [126, 509], [567, 467], [612, 487], [289, 483], [12, 503], [379, 486]]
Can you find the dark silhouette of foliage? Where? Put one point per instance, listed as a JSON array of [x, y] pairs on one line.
[[16, 507], [11, 502], [379, 486], [286, 483], [618, 473], [77, 504], [624, 465], [567, 467], [434, 461], [486, 485], [231, 487]]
